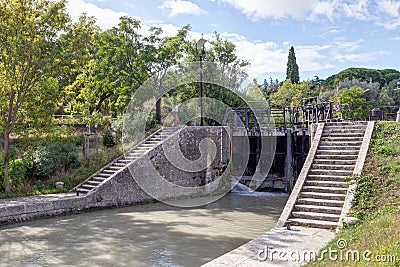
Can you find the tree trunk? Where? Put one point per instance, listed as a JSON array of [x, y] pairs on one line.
[[6, 158], [158, 111]]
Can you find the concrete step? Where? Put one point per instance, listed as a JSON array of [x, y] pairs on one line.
[[340, 143], [318, 177], [335, 157], [318, 195], [325, 183], [110, 171], [337, 152], [313, 223], [330, 172], [100, 179], [105, 175], [82, 191], [320, 202], [339, 147], [347, 124], [316, 216], [116, 168], [332, 167], [340, 138], [89, 186], [324, 189], [335, 162], [125, 161], [119, 164], [318, 209], [147, 145], [342, 134], [344, 130], [92, 182]]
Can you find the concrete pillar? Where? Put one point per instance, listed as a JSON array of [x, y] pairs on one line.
[[398, 116], [289, 159]]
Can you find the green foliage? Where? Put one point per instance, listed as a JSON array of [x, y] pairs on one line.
[[54, 157], [291, 94], [292, 71], [363, 75], [108, 139], [354, 96]]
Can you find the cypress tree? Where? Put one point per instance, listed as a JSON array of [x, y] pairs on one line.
[[292, 71]]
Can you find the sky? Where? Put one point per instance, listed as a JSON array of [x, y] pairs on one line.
[[328, 35]]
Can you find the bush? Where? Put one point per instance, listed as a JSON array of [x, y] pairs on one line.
[[108, 139], [54, 157]]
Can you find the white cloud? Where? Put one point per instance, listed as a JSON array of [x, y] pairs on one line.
[[106, 18], [176, 7], [348, 46], [360, 57], [358, 10], [260, 9], [395, 38], [390, 8], [390, 25]]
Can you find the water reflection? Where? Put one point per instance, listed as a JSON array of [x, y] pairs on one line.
[[144, 235]]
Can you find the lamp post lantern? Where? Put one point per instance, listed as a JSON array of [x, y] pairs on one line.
[[200, 46]]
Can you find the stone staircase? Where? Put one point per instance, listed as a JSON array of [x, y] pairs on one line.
[[119, 164], [324, 191]]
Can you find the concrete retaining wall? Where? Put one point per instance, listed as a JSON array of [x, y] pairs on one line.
[[122, 189]]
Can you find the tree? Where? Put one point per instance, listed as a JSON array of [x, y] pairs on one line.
[[30, 54], [292, 71], [167, 54], [354, 96]]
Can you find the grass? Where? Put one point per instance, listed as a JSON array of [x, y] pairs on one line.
[[376, 203]]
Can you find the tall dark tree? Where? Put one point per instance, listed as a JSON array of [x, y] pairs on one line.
[[292, 71]]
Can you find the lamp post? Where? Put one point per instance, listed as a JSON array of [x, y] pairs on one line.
[[200, 46]]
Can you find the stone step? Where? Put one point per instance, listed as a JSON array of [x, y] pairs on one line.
[[152, 142], [337, 152], [340, 138], [335, 157], [340, 143], [316, 216], [105, 175], [100, 179], [330, 172], [88, 186], [318, 177], [335, 162], [147, 145], [314, 223], [109, 171], [116, 168], [318, 209], [320, 202], [344, 130], [92, 182], [346, 124], [332, 167], [125, 160], [82, 191], [318, 195], [324, 189], [119, 164], [325, 183], [342, 134], [338, 147]]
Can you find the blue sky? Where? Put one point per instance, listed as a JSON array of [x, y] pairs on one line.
[[328, 35]]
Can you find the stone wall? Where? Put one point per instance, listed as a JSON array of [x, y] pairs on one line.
[[123, 189]]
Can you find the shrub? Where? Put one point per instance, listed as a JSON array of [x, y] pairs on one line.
[[54, 157], [108, 139]]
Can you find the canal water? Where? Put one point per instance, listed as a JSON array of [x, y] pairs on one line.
[[143, 235]]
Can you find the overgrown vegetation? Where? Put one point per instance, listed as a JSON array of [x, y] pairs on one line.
[[376, 203]]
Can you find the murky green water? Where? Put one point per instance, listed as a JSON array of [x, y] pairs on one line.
[[145, 235]]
